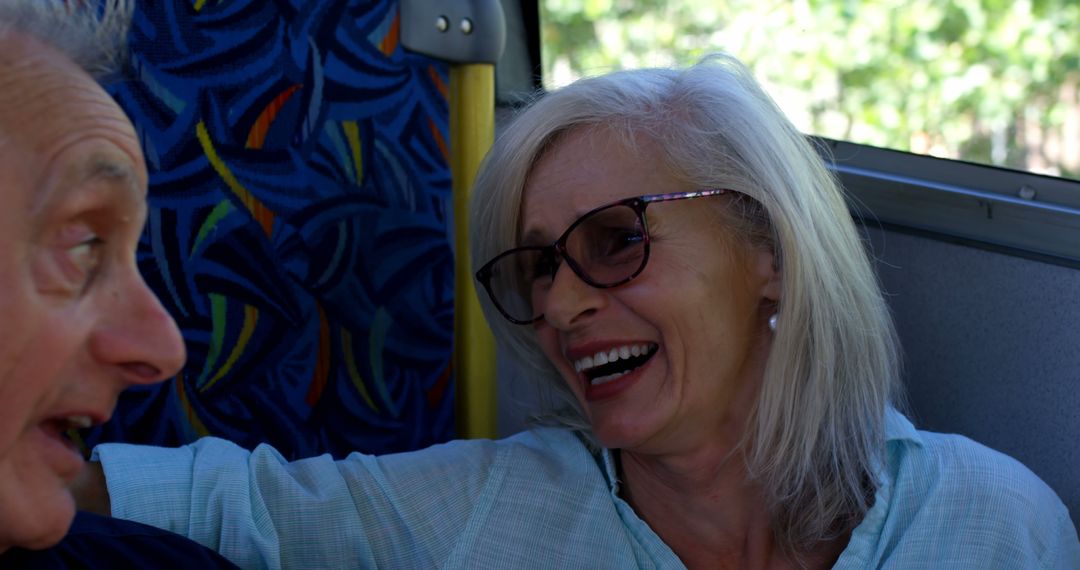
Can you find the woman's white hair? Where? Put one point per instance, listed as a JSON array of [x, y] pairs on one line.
[[93, 34], [817, 431]]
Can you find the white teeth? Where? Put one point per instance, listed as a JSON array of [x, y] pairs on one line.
[[608, 378], [79, 422], [612, 355], [583, 364]]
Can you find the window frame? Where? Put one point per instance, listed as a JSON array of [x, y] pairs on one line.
[[1012, 211]]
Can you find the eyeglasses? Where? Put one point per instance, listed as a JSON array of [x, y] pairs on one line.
[[606, 247]]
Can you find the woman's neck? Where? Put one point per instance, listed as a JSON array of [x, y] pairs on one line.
[[709, 513]]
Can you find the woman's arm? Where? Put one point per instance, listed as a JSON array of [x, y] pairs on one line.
[[259, 510]]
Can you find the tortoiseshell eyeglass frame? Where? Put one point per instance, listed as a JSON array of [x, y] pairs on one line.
[[557, 250]]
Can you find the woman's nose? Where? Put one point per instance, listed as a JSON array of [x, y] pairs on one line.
[[569, 299]]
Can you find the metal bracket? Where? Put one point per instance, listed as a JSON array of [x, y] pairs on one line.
[[457, 31]]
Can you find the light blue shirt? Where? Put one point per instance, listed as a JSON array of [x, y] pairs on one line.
[[541, 499]]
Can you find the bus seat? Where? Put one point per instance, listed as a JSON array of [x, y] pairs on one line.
[[990, 348], [300, 225]]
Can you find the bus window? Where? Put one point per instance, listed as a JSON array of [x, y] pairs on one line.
[[984, 81]]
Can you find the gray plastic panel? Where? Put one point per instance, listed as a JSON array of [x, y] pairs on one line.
[[458, 31]]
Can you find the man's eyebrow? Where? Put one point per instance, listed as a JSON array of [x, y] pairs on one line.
[[109, 169], [117, 175]]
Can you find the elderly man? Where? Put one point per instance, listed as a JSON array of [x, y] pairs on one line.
[[80, 324]]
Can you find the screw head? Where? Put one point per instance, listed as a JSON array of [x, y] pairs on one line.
[[442, 23], [466, 26]]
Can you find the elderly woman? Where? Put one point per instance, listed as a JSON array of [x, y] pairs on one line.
[[667, 254]]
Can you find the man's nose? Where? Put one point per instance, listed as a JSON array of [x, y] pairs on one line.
[[137, 335]]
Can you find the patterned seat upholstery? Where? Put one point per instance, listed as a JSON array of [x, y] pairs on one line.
[[298, 229]]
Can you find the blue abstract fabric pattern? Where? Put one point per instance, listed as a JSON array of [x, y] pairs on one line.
[[299, 226]]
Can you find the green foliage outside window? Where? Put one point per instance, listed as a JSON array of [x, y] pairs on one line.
[[990, 81]]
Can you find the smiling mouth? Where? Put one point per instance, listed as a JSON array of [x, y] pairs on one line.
[[78, 422], [605, 366], [63, 427]]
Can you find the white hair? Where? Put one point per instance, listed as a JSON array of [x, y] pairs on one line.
[[817, 430], [92, 34]]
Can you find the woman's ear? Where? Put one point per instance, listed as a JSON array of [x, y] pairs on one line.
[[768, 269]]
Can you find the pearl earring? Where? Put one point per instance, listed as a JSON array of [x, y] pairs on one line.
[[772, 323]]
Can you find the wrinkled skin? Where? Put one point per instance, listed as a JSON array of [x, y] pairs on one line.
[[80, 324]]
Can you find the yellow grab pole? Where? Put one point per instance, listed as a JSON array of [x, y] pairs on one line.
[[472, 130]]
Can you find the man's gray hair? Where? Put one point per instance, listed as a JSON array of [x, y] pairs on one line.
[[91, 33]]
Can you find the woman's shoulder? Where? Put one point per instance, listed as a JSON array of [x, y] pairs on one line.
[[547, 441], [945, 464], [560, 451], [967, 504], [553, 452], [925, 463]]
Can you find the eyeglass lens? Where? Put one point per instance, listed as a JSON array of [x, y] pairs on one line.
[[605, 248]]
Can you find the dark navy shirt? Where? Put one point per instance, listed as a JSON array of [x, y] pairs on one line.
[[96, 542]]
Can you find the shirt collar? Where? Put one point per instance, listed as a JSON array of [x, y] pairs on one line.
[[897, 429]]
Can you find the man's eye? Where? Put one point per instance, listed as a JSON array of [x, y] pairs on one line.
[[86, 256]]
